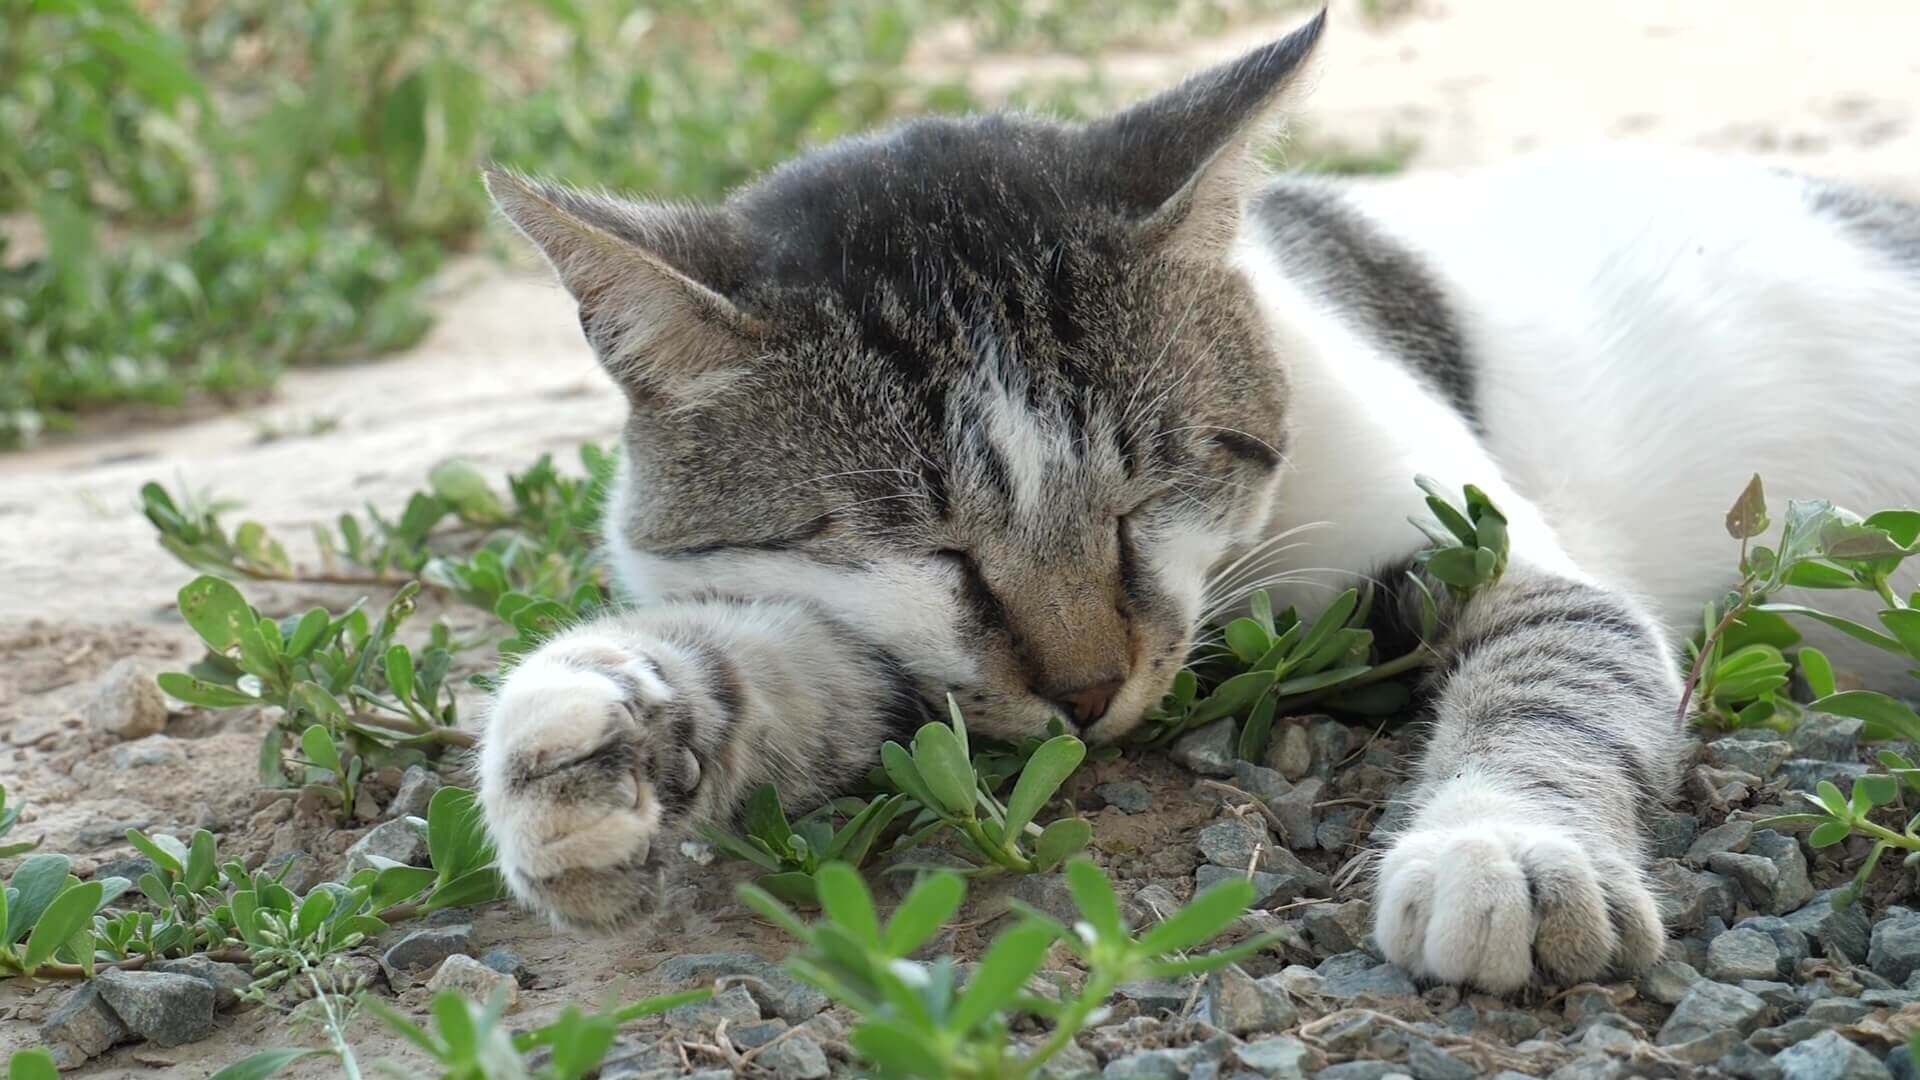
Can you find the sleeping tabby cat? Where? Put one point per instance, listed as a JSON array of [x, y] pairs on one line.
[[1006, 408]]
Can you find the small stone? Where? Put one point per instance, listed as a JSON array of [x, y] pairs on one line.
[[404, 840], [1049, 893], [1894, 952], [1743, 954], [1290, 751], [1339, 830], [1281, 1058], [1236, 843], [1512, 1025], [417, 786], [1267, 888], [1380, 980], [1673, 833], [1126, 796], [1708, 1007], [1297, 813], [1845, 930], [778, 992], [127, 702], [1209, 751], [1829, 1056], [1900, 1064], [795, 1057], [1826, 737], [1668, 981], [1608, 1037], [1837, 1010], [1776, 994], [1361, 1070], [1590, 1068], [1428, 1062], [1259, 781], [296, 870], [1338, 928], [734, 1005], [1791, 940], [149, 751], [1687, 899], [1155, 996], [1732, 836], [1805, 775], [83, 1026], [1746, 1063], [1706, 1049], [227, 980], [507, 962], [1793, 887], [1238, 1005], [1331, 741], [1761, 757], [164, 1009], [475, 979], [428, 946]]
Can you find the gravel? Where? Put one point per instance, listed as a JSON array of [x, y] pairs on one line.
[[1126, 796], [164, 1008], [1829, 1056], [1894, 949], [403, 840], [475, 979], [1235, 1003], [1744, 954], [778, 993], [1708, 1007], [81, 1027], [1209, 751], [427, 947], [127, 703]]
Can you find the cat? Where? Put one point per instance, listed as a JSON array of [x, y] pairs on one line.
[[1008, 409]]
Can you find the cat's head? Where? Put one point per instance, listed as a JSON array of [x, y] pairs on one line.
[[987, 390]]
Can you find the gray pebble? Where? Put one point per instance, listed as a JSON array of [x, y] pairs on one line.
[[417, 786], [735, 1005], [1746, 1063], [1731, 836], [1155, 995], [1894, 952], [1708, 1007], [1331, 741], [795, 1057], [165, 1009], [1668, 981], [1772, 872], [1837, 1010], [1900, 1064], [1687, 898], [427, 947], [1268, 888], [1778, 995], [1360, 1070], [1673, 833], [1761, 757], [1290, 751], [1743, 954], [404, 840], [507, 962], [227, 980], [1825, 737], [1426, 1061], [778, 992], [147, 752], [1379, 980], [1258, 780], [1829, 1056], [1296, 812], [1237, 842], [1338, 928], [1845, 930], [1049, 893], [1238, 1005], [83, 1026], [127, 703], [1284, 1057], [1804, 774], [1126, 796], [1209, 751]]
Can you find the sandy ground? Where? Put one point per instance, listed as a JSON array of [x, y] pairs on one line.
[[505, 377]]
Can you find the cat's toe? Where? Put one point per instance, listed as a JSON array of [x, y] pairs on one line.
[[570, 788], [1493, 905]]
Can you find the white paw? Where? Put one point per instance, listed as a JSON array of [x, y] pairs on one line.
[[1491, 903], [580, 774]]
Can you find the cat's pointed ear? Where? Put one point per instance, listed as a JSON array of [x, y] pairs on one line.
[[1185, 158], [648, 278]]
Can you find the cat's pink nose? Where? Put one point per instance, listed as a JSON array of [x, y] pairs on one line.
[[1089, 703]]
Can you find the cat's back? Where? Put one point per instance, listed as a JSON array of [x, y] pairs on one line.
[[1634, 332]]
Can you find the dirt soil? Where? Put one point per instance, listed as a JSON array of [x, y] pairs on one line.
[[505, 377]]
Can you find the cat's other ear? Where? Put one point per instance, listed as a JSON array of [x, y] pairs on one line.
[[648, 279], [1183, 160]]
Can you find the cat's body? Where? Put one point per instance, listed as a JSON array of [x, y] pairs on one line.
[[1007, 410]]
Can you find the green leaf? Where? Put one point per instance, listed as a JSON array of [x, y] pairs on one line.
[[925, 910], [1045, 771], [307, 634], [314, 910], [1204, 917], [764, 818], [1261, 606], [265, 1063], [847, 902], [71, 911], [1307, 684], [35, 883], [1458, 567], [1877, 789], [1846, 626], [943, 764], [1248, 640], [1905, 624], [1748, 517], [317, 744], [1828, 834], [1818, 672], [479, 886], [1093, 895], [399, 669], [905, 775], [1891, 717], [456, 834], [1059, 840], [32, 1064], [461, 486], [1007, 965], [898, 1049], [1258, 728], [1231, 697], [183, 687], [201, 861], [1828, 795], [1333, 619], [729, 844], [216, 611], [395, 884], [1454, 522], [774, 911]]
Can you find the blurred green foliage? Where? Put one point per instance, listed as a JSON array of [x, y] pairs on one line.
[[198, 193]]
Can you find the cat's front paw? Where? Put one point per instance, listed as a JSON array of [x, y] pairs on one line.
[[1490, 903], [582, 781]]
